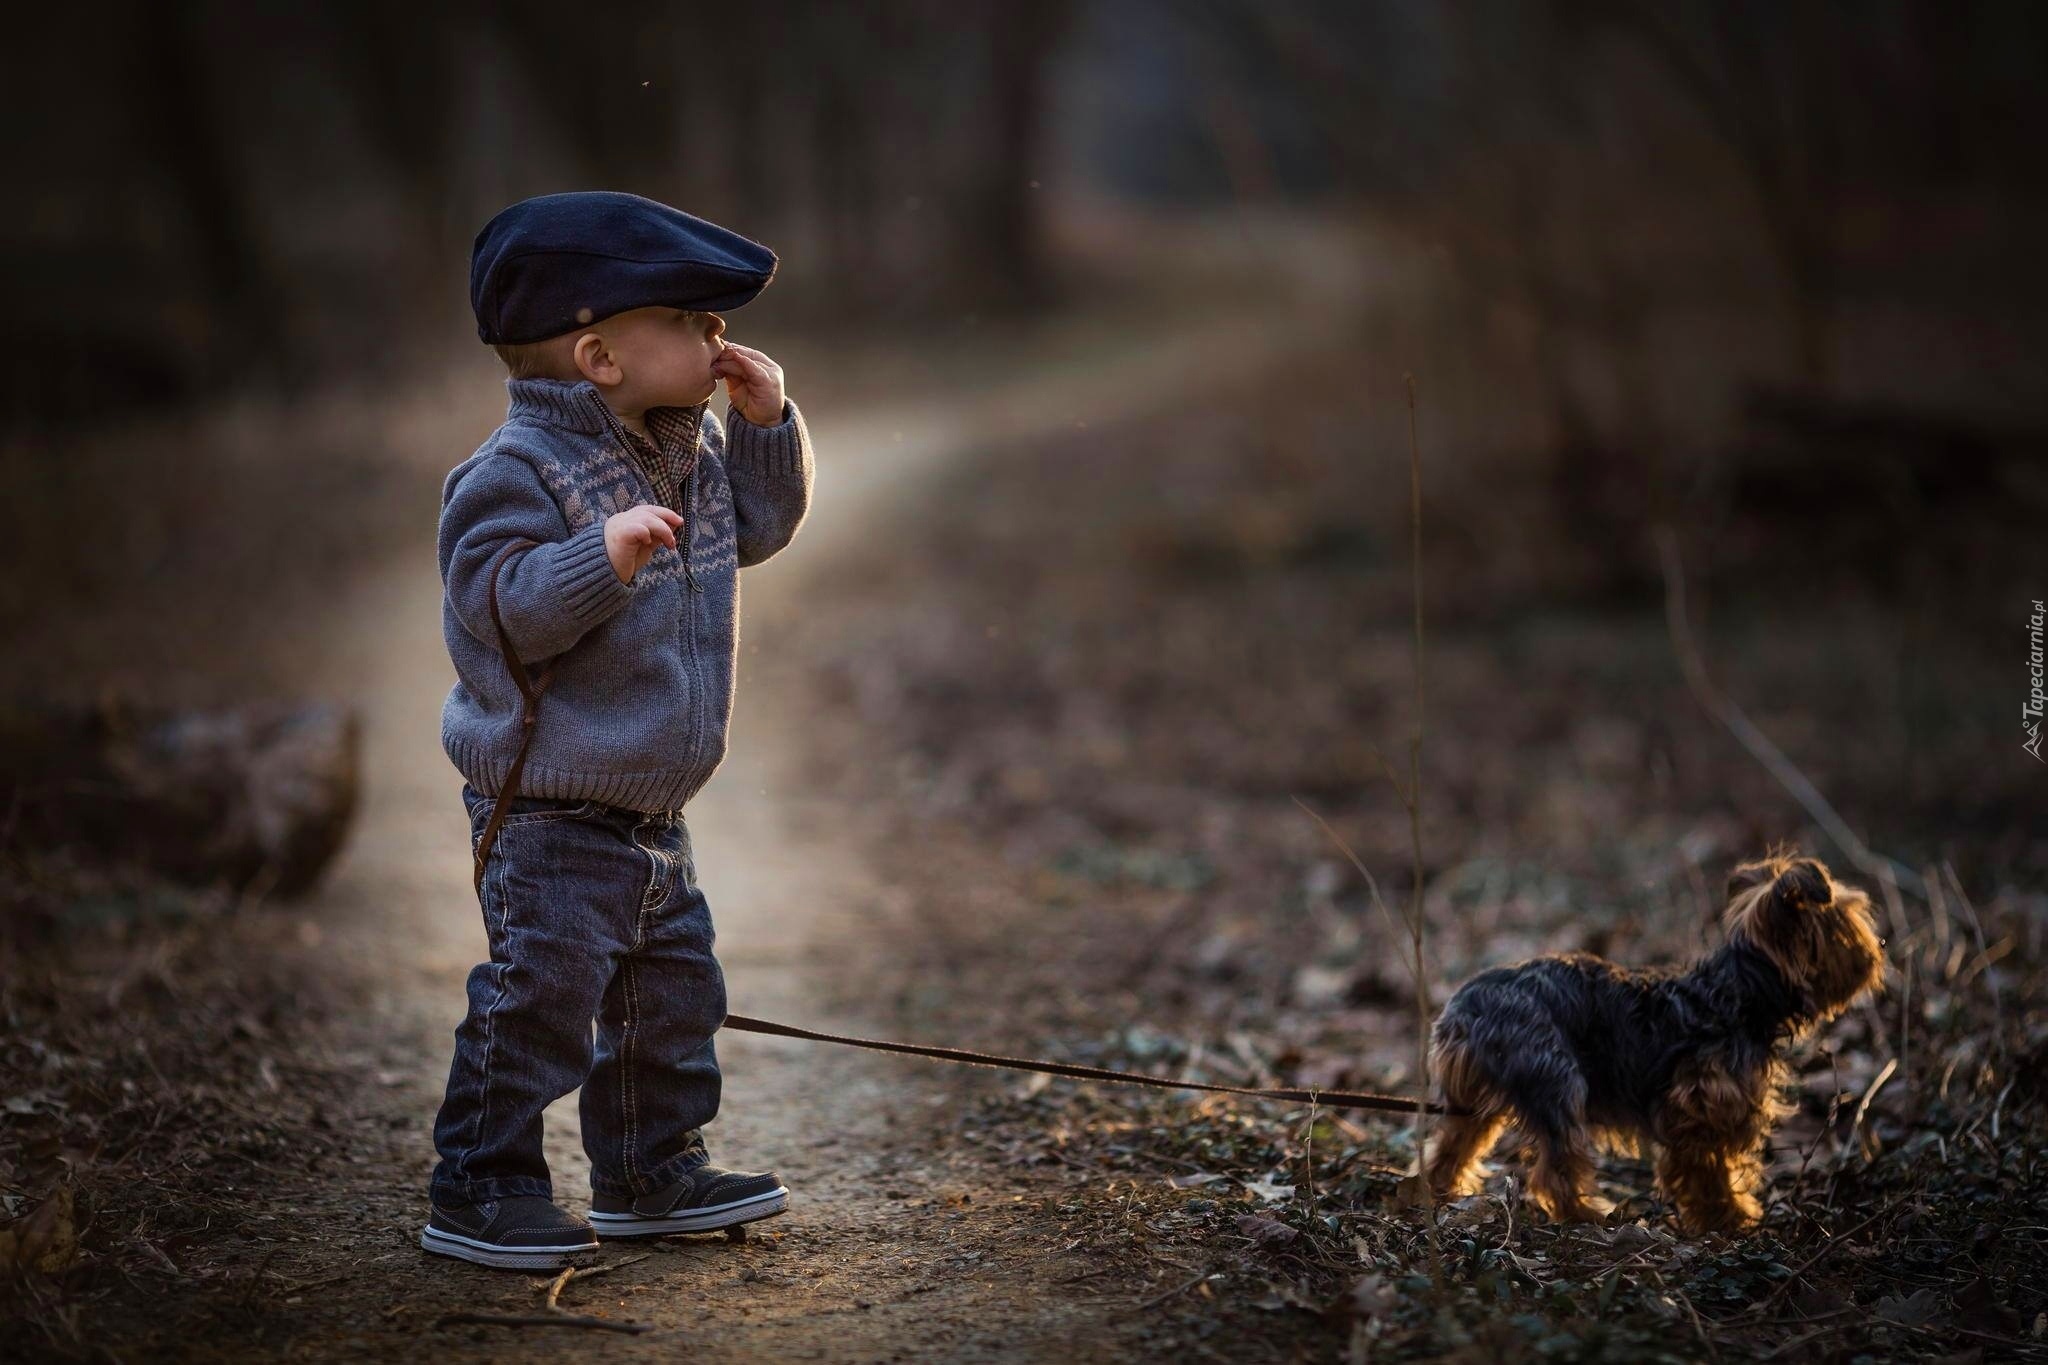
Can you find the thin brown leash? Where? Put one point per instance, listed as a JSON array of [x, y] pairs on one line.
[[1328, 1099], [529, 695]]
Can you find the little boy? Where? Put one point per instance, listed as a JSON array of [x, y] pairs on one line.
[[590, 551]]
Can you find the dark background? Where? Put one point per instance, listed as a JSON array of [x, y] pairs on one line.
[[207, 197], [1765, 273]]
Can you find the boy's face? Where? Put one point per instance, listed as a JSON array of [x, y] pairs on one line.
[[662, 357]]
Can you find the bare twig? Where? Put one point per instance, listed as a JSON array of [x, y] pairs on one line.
[[1760, 747], [1863, 1106], [1998, 1107], [1816, 1334], [162, 1257], [1937, 901], [256, 1280], [2033, 1348], [1894, 908], [553, 1303], [1371, 883], [1905, 1022], [1827, 1126], [1699, 1328], [592, 1272], [1985, 959], [1393, 778], [1413, 801], [1833, 1244], [1308, 1161], [1174, 1292]]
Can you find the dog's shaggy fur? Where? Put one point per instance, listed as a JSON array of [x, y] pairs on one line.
[[1580, 1053]]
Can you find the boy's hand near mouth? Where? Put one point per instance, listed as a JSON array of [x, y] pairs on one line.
[[753, 383]]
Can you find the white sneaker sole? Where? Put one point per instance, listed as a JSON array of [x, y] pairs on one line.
[[484, 1253], [749, 1210]]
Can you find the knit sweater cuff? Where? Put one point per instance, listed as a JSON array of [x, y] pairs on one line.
[[776, 451], [584, 576]]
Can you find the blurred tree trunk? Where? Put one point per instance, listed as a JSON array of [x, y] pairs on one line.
[[1001, 208], [172, 111], [844, 169], [1767, 79], [396, 72]]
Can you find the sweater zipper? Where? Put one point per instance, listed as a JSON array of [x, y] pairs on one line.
[[688, 540], [685, 487]]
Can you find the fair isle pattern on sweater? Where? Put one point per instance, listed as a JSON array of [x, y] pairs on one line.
[[599, 483]]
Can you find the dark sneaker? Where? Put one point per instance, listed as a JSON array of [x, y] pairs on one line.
[[525, 1232], [704, 1200]]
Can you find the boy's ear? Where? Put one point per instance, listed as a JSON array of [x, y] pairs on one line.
[[595, 361]]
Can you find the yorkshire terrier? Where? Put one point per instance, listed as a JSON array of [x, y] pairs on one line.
[[1581, 1053]]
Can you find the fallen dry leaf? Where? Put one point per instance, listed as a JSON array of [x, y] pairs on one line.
[[1267, 1232], [46, 1240], [1411, 1193], [1370, 1297], [1915, 1310]]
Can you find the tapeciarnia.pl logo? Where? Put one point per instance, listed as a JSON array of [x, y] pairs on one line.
[[2030, 714]]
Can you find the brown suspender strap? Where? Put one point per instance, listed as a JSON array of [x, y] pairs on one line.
[[529, 699], [1328, 1099]]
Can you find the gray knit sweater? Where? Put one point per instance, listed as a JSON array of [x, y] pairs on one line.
[[636, 715]]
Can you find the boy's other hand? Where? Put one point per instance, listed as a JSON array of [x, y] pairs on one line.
[[753, 382], [631, 537]]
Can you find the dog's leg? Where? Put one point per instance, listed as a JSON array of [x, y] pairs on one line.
[[1463, 1139], [1561, 1184], [1550, 1103], [1512, 1058], [1462, 1142], [1713, 1191], [1541, 1082], [1709, 1161]]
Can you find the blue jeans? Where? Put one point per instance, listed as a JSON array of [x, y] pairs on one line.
[[593, 913]]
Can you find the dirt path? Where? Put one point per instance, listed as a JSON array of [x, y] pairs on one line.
[[892, 1248]]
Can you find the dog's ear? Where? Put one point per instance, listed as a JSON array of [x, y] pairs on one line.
[[1749, 876], [1793, 881], [1802, 883], [1771, 903]]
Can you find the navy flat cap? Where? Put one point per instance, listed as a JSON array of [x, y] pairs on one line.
[[550, 265]]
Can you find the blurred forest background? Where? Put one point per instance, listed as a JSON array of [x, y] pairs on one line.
[[1630, 208], [1650, 250], [1766, 276]]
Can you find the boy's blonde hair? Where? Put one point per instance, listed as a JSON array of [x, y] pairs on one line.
[[534, 359]]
